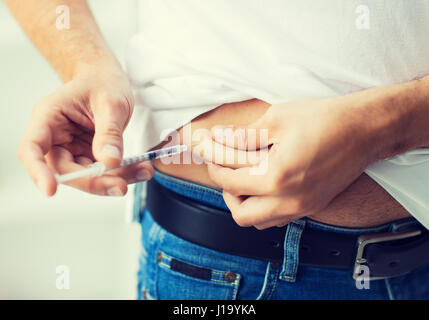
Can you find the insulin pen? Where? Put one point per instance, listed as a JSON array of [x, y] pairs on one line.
[[98, 168]]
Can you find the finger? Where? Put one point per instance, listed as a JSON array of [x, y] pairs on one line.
[[214, 152], [282, 224], [61, 161], [261, 212], [35, 144], [279, 223], [252, 137], [242, 181], [31, 154], [110, 121], [134, 173]]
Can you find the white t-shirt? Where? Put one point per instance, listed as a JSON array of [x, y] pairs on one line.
[[193, 55]]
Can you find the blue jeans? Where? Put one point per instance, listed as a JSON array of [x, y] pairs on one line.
[[172, 268]]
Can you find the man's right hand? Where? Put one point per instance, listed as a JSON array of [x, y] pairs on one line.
[[79, 123]]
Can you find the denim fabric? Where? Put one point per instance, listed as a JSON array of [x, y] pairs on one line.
[[172, 268]]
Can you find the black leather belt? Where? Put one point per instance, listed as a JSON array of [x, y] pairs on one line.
[[385, 254]]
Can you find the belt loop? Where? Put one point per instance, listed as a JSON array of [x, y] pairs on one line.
[[291, 250]]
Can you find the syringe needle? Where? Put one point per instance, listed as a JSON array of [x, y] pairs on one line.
[[98, 168]]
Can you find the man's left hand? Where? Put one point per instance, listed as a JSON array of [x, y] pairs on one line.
[[315, 149]]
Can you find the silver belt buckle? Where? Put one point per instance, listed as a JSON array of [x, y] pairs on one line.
[[366, 239]]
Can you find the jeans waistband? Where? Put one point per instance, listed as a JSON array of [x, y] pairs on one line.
[[294, 230], [213, 197]]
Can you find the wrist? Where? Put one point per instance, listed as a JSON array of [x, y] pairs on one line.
[[392, 119], [97, 67]]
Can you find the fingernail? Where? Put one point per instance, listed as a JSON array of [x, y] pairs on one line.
[[143, 175], [114, 192], [111, 151]]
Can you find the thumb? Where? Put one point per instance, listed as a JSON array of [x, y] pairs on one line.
[[251, 137], [110, 121]]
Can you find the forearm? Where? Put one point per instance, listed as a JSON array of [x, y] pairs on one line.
[[70, 51], [395, 119]]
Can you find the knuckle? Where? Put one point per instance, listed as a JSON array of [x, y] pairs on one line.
[[240, 219], [234, 190], [116, 101], [302, 204], [121, 101], [112, 129], [90, 187], [260, 227], [241, 222]]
